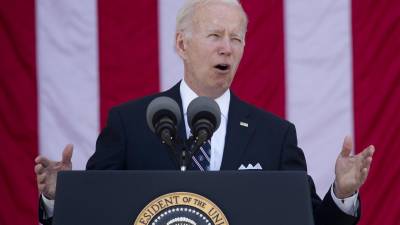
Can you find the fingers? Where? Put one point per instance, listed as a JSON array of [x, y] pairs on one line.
[[364, 174], [366, 161], [44, 166], [368, 152], [41, 178], [347, 146], [366, 156], [67, 154], [45, 162], [42, 160], [42, 184], [39, 169], [352, 171], [46, 171]]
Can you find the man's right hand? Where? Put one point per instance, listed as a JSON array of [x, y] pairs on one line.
[[46, 171]]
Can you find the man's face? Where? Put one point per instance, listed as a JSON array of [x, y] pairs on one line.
[[213, 50]]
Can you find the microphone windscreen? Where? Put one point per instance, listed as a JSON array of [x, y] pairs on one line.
[[204, 108], [161, 107]]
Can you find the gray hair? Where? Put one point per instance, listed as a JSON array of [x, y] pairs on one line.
[[185, 14]]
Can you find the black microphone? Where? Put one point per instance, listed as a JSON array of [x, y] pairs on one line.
[[163, 117], [204, 117]]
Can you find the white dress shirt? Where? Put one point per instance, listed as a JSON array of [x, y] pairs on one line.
[[218, 138], [348, 205]]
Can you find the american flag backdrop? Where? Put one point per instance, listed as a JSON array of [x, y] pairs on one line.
[[330, 66]]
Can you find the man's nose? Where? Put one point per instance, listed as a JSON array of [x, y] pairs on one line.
[[226, 47]]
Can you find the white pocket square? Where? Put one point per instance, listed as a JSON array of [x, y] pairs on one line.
[[250, 167]]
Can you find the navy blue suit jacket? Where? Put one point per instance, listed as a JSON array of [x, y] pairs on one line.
[[128, 144]]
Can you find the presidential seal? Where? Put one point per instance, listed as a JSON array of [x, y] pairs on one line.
[[181, 208]]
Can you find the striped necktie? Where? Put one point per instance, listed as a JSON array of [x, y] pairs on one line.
[[201, 159]]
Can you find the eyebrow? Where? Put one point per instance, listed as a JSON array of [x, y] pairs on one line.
[[216, 30]]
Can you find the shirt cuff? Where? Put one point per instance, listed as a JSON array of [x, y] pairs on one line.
[[48, 206], [347, 205]]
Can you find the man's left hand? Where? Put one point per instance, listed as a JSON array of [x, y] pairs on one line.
[[351, 170]]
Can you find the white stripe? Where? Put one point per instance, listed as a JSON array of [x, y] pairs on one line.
[[319, 81], [171, 67], [205, 154], [67, 77], [197, 163]]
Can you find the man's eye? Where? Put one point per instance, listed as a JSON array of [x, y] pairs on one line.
[[237, 39], [213, 35]]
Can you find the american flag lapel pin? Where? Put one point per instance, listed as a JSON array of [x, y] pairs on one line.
[[243, 124]]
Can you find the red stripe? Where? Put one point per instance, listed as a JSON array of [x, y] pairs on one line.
[[128, 49], [376, 42], [18, 113], [260, 78]]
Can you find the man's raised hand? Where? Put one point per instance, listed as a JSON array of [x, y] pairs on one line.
[[46, 171], [351, 171]]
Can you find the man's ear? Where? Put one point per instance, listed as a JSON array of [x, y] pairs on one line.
[[180, 44]]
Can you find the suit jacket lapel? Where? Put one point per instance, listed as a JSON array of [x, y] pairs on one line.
[[175, 94], [237, 134]]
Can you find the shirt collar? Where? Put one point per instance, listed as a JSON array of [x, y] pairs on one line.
[[187, 95]]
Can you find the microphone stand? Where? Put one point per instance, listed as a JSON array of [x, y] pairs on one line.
[[187, 148], [181, 150], [183, 160], [186, 153]]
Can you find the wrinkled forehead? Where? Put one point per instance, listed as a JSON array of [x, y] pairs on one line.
[[219, 15]]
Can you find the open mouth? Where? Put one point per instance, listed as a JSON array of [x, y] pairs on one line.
[[222, 67]]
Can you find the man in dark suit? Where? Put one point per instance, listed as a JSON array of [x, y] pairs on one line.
[[211, 45]]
